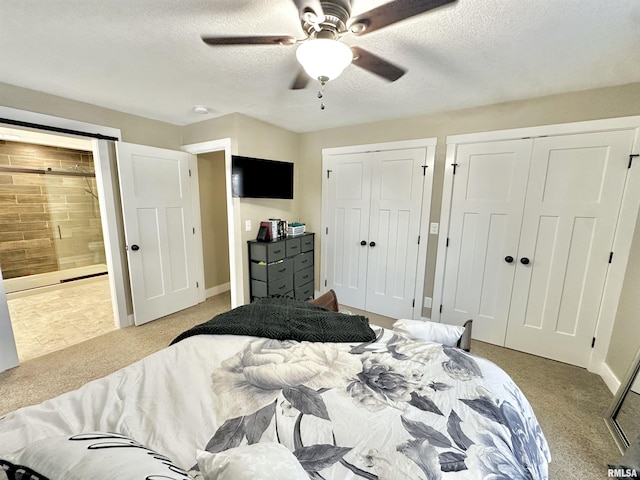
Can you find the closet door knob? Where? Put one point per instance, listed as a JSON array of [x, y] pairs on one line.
[[135, 248], [508, 259], [363, 243], [372, 244], [524, 261]]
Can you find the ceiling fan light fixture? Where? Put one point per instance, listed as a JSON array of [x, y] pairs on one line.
[[324, 57]]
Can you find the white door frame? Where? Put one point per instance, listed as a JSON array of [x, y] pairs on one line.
[[108, 210], [233, 224], [623, 235], [430, 145]]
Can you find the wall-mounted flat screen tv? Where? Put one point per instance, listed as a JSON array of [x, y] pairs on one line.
[[259, 178]]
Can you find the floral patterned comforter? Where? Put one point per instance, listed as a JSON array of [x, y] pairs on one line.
[[394, 408]]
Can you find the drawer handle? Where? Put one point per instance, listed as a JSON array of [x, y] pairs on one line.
[[277, 251], [282, 270], [281, 287], [306, 276], [303, 261], [294, 247]]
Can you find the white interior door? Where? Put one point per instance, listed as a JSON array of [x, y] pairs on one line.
[[396, 199], [488, 196], [159, 229], [374, 205], [349, 198], [573, 200]]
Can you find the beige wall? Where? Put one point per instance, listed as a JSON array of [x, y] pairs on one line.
[[213, 213], [578, 106], [135, 129], [252, 138]]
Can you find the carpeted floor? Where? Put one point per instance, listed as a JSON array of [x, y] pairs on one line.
[[569, 401]]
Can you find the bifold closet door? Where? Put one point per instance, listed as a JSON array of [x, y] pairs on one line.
[[573, 199], [374, 210], [396, 205], [489, 190], [349, 196]]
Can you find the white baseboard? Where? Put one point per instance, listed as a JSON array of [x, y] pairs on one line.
[[609, 377], [218, 289]]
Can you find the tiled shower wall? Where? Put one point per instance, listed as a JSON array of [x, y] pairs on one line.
[[47, 221]]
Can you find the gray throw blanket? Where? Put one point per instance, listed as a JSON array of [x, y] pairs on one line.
[[283, 318]]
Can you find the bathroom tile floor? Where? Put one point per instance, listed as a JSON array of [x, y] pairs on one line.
[[54, 319]]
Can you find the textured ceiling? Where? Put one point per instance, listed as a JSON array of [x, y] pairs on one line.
[[146, 57]]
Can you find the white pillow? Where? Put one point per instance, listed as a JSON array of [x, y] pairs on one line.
[[431, 331], [95, 456], [259, 461]]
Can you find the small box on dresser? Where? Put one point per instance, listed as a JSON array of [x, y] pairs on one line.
[[282, 267]]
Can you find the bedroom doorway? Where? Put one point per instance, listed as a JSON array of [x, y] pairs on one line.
[[52, 251]]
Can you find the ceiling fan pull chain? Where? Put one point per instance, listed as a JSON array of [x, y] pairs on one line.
[[321, 93]]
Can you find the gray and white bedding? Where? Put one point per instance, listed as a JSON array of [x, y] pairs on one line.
[[391, 408]]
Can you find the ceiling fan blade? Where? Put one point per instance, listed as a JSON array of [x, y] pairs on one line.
[[374, 64], [301, 80], [390, 13], [310, 10], [259, 40]]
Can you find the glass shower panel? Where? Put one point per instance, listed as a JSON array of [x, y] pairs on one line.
[[75, 213], [50, 228]]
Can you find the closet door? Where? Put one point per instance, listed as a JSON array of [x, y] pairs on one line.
[[487, 203], [349, 199], [396, 200], [573, 200], [374, 209]]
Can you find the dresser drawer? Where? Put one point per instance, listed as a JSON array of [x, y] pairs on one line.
[[272, 271], [306, 243], [303, 276], [276, 287], [303, 260], [267, 252], [304, 292], [293, 247]]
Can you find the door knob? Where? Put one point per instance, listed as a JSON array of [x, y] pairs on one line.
[[135, 248], [363, 243], [372, 244], [524, 261], [508, 259]]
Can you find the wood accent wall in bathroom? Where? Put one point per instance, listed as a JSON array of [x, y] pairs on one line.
[[47, 222]]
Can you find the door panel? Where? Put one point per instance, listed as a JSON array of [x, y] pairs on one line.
[[157, 212], [396, 206], [486, 213], [349, 193], [572, 205]]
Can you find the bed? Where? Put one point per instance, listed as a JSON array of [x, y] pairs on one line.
[[239, 398]]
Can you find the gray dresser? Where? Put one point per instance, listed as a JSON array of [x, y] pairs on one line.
[[282, 267]]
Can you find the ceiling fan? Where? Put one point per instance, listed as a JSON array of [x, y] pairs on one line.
[[321, 53]]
